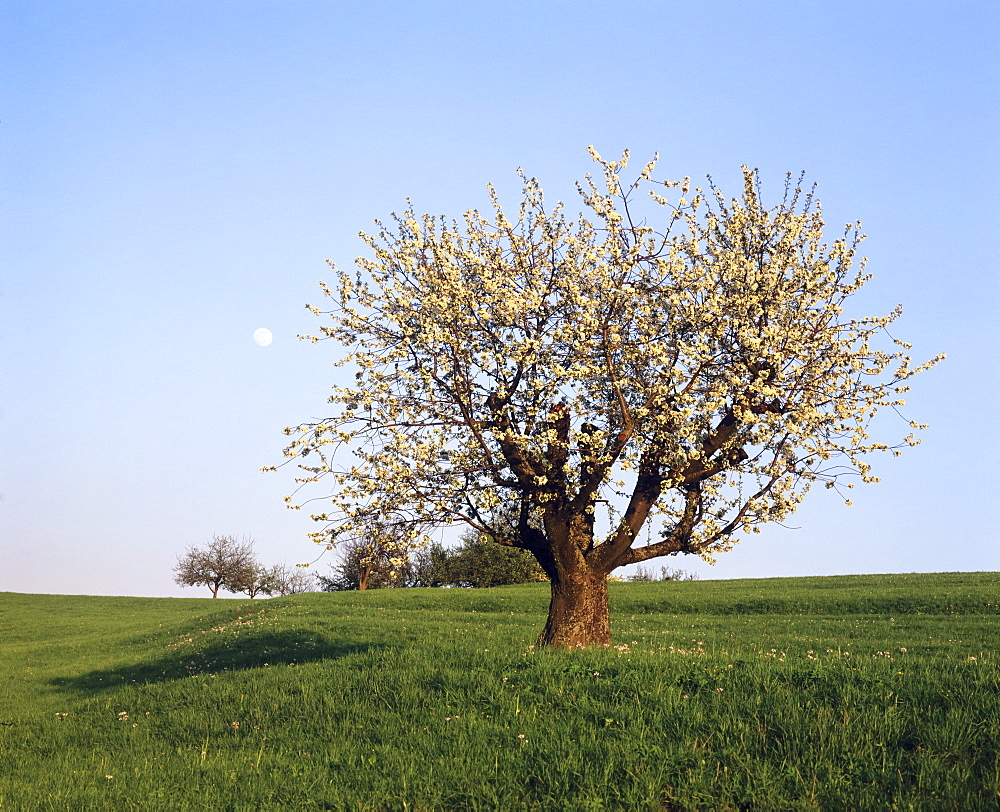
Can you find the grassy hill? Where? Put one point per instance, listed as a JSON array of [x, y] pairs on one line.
[[862, 692]]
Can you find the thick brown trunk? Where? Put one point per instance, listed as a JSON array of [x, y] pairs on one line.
[[578, 612]]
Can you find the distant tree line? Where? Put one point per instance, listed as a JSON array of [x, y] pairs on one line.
[[645, 575], [231, 564], [381, 562], [377, 560]]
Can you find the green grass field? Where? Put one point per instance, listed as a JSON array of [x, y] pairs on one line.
[[854, 692]]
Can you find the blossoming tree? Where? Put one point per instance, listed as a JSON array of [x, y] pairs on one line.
[[686, 364]]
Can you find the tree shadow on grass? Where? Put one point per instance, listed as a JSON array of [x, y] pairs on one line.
[[189, 659]]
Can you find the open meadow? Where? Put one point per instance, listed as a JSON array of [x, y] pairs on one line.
[[859, 692]]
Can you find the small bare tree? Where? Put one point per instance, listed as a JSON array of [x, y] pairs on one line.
[[224, 563], [281, 580], [261, 580]]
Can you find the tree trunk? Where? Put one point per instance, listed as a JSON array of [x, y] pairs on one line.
[[578, 611]]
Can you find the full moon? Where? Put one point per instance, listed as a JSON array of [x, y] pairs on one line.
[[262, 336]]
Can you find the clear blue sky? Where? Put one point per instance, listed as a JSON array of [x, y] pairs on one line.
[[174, 175]]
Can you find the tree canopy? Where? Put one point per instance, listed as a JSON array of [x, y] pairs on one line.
[[476, 562], [684, 362]]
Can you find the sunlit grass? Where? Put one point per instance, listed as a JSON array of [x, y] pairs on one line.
[[863, 692]]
